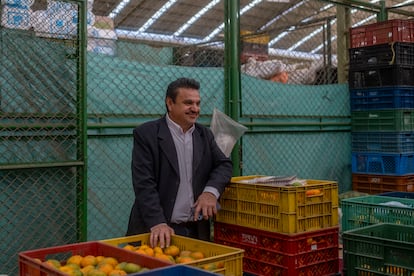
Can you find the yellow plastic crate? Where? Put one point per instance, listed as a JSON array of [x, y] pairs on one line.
[[279, 209], [215, 253]]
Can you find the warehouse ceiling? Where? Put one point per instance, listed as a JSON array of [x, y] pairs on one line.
[[291, 25]]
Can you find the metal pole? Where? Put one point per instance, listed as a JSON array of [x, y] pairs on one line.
[[82, 195], [232, 71]]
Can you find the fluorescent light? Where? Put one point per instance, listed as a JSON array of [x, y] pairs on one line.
[[157, 15], [196, 17], [119, 8]]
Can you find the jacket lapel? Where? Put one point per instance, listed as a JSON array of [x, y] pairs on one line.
[[167, 145], [197, 149]]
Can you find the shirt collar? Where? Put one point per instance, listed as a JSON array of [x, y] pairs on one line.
[[173, 126]]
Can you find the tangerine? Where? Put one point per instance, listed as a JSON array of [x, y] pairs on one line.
[[197, 255], [88, 260], [105, 267], [74, 259], [172, 250], [117, 272], [129, 247]]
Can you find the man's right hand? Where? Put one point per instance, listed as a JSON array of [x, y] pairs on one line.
[[161, 235]]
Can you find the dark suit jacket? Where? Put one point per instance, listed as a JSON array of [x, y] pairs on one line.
[[155, 175]]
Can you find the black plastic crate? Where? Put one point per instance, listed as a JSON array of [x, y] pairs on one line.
[[382, 98], [379, 76], [396, 53]]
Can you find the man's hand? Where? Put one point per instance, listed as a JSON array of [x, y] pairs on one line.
[[161, 233], [206, 205]]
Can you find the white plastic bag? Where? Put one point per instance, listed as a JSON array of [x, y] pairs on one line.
[[226, 131]]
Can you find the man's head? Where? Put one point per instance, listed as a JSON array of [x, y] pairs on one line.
[[182, 101]]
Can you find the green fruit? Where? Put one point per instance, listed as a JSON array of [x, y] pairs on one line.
[[132, 268]]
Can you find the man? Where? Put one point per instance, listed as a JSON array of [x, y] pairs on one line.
[[178, 170]]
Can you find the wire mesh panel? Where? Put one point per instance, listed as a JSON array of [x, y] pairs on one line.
[[134, 50], [40, 146]]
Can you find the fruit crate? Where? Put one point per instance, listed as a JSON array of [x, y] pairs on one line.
[[176, 270], [409, 195], [380, 76], [225, 260], [29, 264], [387, 142], [377, 184], [373, 209], [284, 209], [269, 253], [395, 30], [396, 120], [381, 249], [399, 53], [382, 163], [380, 98]]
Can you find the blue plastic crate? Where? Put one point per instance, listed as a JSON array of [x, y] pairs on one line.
[[409, 195], [382, 163], [387, 142], [382, 98], [176, 270]]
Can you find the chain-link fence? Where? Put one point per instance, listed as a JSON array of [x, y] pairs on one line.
[[295, 127], [42, 160]]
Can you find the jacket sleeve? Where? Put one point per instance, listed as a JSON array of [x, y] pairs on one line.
[[222, 166], [144, 178]]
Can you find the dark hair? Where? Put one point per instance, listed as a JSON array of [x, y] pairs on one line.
[[173, 87]]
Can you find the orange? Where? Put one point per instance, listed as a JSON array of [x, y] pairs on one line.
[[109, 260], [183, 260], [164, 257], [158, 250], [172, 250], [197, 255], [141, 251], [129, 247], [149, 251], [53, 263], [95, 272], [88, 260], [99, 259], [185, 253], [121, 265], [117, 272], [210, 267], [220, 264], [86, 269], [143, 247], [75, 259], [105, 267]]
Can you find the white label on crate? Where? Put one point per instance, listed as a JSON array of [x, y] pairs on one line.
[[314, 247], [249, 238], [375, 180]]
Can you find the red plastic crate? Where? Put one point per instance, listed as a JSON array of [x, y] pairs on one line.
[[376, 184], [395, 30], [28, 266], [270, 253]]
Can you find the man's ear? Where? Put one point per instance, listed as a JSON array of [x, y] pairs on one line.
[[168, 103]]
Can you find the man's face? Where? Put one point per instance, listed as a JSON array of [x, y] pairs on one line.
[[186, 108]]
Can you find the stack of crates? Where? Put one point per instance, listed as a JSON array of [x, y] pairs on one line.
[[283, 230], [381, 82]]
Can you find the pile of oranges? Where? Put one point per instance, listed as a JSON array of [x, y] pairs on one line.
[[173, 254], [90, 265]]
